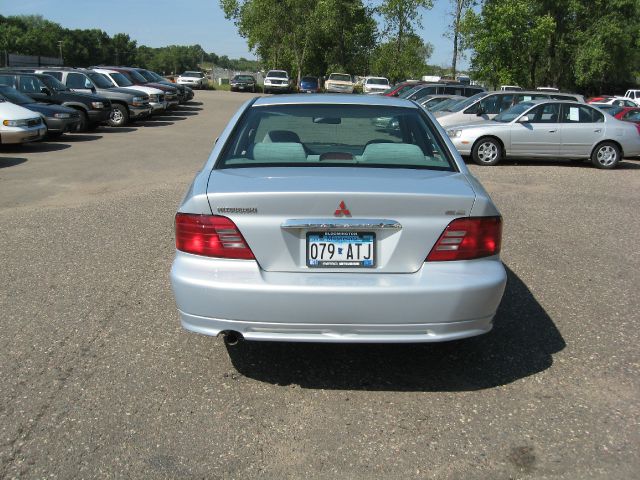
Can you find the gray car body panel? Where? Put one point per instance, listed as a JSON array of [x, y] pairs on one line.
[[550, 140], [277, 297]]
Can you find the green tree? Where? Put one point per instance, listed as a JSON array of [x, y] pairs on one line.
[[460, 8], [509, 38], [411, 62], [403, 47]]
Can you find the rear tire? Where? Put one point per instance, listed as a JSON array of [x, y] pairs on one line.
[[606, 155], [486, 151], [119, 116]]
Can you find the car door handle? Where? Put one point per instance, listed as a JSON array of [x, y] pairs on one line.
[[553, 130], [597, 130]]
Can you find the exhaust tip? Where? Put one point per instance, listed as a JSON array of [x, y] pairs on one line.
[[232, 338]]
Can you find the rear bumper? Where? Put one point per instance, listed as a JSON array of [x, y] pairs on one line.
[[443, 301]]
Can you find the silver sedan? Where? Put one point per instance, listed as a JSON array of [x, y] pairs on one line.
[[309, 223], [549, 129]]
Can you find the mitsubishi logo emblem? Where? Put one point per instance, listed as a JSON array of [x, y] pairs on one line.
[[342, 210]]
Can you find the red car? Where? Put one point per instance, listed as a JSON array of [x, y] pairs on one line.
[[400, 88], [628, 114]]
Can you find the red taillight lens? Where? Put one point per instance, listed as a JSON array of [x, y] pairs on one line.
[[211, 236], [467, 238]]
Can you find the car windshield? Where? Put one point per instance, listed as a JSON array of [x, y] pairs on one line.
[[513, 113], [377, 81], [340, 77], [192, 74], [443, 106], [277, 74], [243, 78], [146, 75], [154, 76], [53, 83], [136, 76], [311, 135], [121, 80], [100, 80], [466, 103], [309, 80], [633, 116], [14, 96], [613, 111]]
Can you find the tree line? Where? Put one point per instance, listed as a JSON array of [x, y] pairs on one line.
[[582, 45], [590, 46], [34, 35]]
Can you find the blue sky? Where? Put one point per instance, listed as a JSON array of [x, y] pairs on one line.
[[188, 22]]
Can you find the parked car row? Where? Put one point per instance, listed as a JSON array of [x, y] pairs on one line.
[[279, 81], [51, 101]]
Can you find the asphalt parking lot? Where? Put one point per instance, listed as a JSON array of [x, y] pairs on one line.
[[99, 380]]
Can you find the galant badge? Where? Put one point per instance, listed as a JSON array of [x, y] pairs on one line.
[[342, 210]]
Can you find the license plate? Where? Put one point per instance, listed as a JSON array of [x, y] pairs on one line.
[[341, 250]]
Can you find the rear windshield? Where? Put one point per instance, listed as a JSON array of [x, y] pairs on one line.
[[377, 81], [277, 74], [335, 135], [309, 79]]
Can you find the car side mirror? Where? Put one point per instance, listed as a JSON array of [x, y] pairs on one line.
[[524, 119], [45, 90]]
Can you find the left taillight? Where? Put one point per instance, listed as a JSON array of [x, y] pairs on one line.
[[468, 238], [210, 236]]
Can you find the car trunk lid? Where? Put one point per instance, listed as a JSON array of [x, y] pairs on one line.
[[276, 209]]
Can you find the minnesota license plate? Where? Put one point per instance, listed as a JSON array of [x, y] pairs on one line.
[[341, 250]]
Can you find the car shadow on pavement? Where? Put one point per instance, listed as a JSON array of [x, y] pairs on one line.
[[110, 130], [11, 161], [167, 117], [79, 137], [521, 344], [626, 164], [42, 147], [154, 123]]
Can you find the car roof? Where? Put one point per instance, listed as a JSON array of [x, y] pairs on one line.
[[334, 99]]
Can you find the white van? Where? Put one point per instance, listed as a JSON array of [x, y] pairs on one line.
[[19, 125], [486, 105]]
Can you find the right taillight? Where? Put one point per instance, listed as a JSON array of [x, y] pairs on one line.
[[210, 236], [468, 238]]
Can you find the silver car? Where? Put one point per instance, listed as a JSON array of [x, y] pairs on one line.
[[549, 129], [309, 224]]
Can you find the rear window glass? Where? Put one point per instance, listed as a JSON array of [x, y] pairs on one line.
[[335, 135]]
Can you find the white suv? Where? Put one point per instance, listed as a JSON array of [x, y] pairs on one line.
[[375, 85], [633, 95], [192, 79], [277, 81]]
